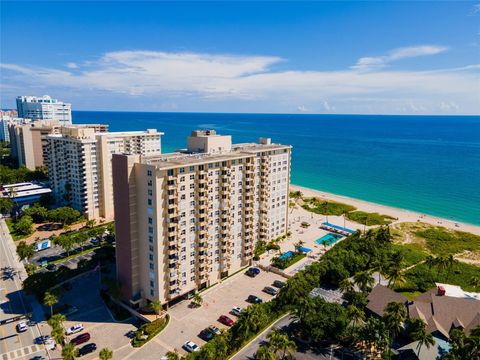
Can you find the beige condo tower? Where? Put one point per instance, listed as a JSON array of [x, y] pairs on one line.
[[186, 220]]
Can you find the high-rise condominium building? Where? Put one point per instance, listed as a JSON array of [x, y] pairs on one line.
[[187, 219], [28, 140], [80, 165], [44, 108]]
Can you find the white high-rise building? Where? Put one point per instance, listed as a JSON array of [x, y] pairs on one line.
[[186, 220], [44, 108], [80, 168]]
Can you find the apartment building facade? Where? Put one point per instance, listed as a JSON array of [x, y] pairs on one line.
[[28, 140], [80, 168], [188, 219], [44, 108]]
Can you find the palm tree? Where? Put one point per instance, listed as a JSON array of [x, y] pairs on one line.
[[279, 341], [450, 261], [69, 352], [197, 300], [421, 335], [105, 354], [430, 261], [58, 334], [90, 223], [395, 275], [364, 280], [49, 300], [173, 355], [475, 281], [441, 262], [56, 320], [355, 314], [394, 316], [346, 286], [156, 306], [264, 353], [298, 245]]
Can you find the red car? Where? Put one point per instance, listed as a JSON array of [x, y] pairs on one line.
[[225, 320], [80, 339]]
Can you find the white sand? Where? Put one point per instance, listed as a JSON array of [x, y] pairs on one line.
[[401, 214]]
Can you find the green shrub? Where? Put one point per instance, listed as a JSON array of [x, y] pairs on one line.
[[326, 207], [369, 219], [147, 331], [285, 263]]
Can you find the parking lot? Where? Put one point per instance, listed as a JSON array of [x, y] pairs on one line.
[[186, 323], [93, 314]]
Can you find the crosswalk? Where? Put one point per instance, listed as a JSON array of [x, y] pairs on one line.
[[22, 353]]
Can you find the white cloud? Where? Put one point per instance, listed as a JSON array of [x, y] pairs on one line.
[[72, 65], [209, 82], [369, 63]]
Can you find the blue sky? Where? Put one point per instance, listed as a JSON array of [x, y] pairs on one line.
[[312, 57]]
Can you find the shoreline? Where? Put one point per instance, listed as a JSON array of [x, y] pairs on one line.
[[402, 215]]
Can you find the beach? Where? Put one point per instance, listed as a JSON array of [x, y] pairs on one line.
[[401, 214]]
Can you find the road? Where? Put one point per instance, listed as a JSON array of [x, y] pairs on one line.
[[248, 352], [14, 345]]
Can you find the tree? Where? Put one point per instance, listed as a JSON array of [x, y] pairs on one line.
[[395, 275], [58, 334], [364, 280], [65, 215], [49, 300], [25, 251], [450, 262], [156, 306], [475, 281], [265, 353], [197, 300], [173, 355], [6, 205], [355, 314], [420, 334], [395, 315], [430, 261], [24, 225], [66, 242], [278, 341], [90, 223], [298, 245], [69, 352], [346, 286], [105, 354]]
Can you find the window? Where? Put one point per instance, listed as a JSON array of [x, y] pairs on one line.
[[182, 170], [149, 172], [149, 201], [152, 267], [192, 168], [170, 172]]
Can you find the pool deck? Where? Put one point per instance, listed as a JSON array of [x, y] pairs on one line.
[[307, 235]]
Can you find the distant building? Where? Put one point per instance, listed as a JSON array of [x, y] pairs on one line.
[[44, 108], [7, 118], [23, 194], [186, 220], [28, 140], [80, 169]]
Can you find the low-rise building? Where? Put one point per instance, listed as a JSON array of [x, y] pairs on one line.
[[23, 194]]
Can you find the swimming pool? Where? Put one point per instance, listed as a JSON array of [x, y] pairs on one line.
[[329, 239], [286, 255]]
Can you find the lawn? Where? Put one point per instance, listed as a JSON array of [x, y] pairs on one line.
[[285, 263], [14, 233], [369, 219], [326, 207], [441, 241], [422, 278], [412, 253]]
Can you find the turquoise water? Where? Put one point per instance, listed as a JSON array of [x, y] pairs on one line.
[[329, 238], [286, 255], [429, 164]]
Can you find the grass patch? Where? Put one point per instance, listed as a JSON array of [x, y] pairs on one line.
[[148, 331], [13, 232], [322, 207], [285, 263], [412, 253], [441, 241], [74, 254], [369, 219], [410, 295], [422, 278]]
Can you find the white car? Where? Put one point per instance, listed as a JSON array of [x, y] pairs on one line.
[[22, 326], [190, 346], [236, 311], [74, 329]]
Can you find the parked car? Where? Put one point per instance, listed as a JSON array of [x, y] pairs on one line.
[[253, 271], [254, 299], [74, 329], [236, 311], [270, 290], [206, 335], [52, 267], [94, 241], [214, 330], [278, 284], [22, 326], [225, 320], [190, 346], [87, 349], [80, 339]]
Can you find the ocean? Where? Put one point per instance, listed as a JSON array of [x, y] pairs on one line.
[[428, 164]]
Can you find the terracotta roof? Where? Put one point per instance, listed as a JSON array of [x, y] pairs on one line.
[[380, 296]]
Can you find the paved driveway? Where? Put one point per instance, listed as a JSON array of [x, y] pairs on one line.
[[186, 323]]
